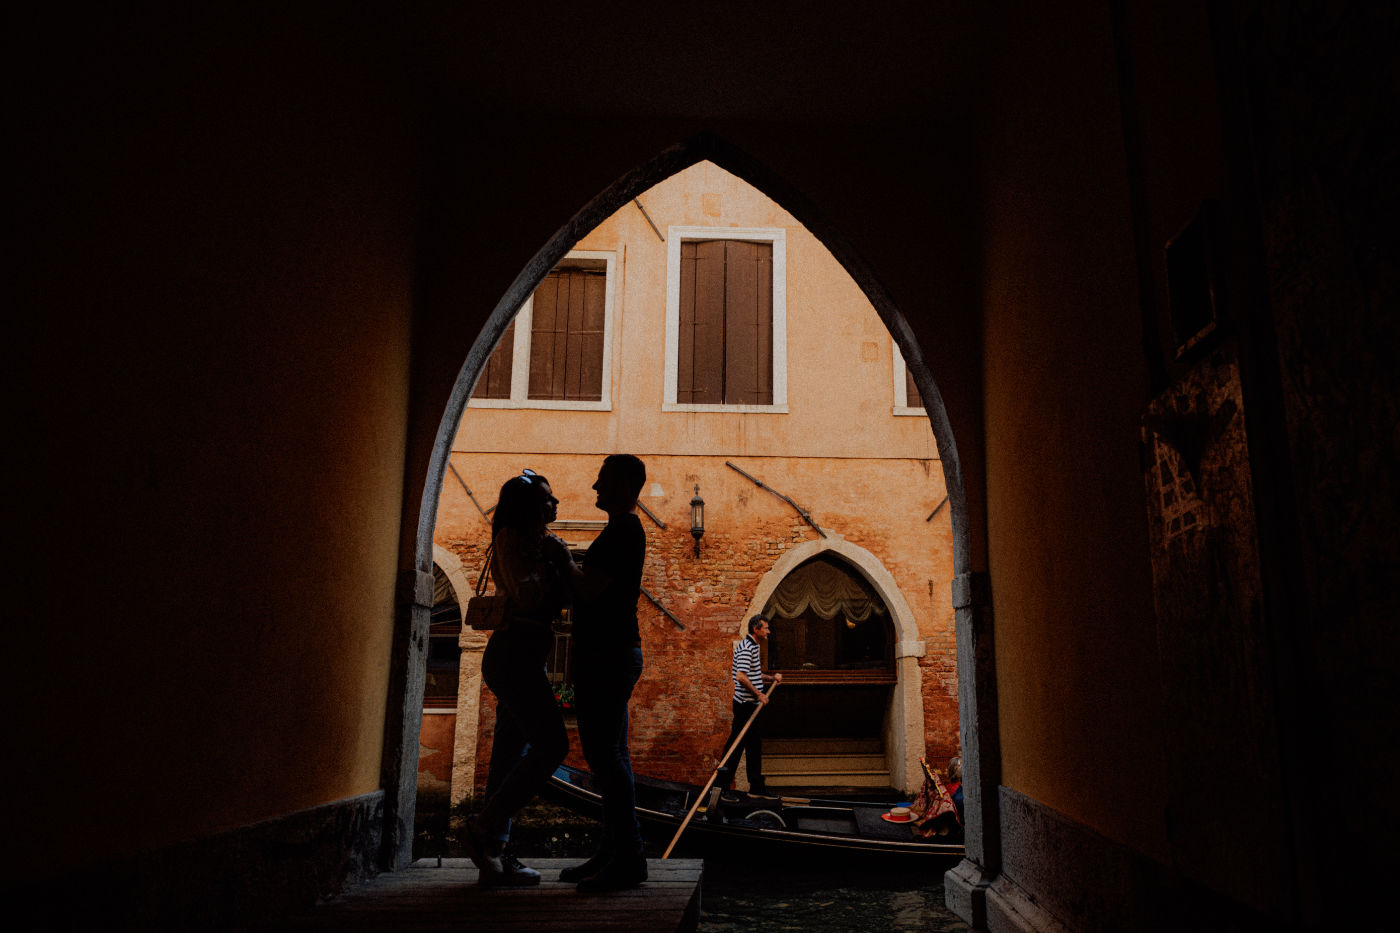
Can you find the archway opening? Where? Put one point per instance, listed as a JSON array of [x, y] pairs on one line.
[[909, 385]]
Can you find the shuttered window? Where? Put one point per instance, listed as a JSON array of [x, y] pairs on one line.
[[907, 400], [912, 398], [566, 333], [495, 381], [725, 336], [555, 354]]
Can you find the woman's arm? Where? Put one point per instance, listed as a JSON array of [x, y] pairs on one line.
[[584, 582]]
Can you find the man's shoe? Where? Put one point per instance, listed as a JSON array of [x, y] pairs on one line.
[[576, 873], [617, 875], [512, 875]]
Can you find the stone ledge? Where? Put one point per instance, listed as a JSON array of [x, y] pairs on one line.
[[1011, 910], [965, 892], [229, 881]]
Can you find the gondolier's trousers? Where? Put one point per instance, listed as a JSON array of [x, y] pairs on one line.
[[752, 749]]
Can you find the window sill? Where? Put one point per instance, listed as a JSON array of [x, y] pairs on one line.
[[900, 410], [538, 404], [727, 409]]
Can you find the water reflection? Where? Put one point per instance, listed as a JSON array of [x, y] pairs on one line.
[[824, 898]]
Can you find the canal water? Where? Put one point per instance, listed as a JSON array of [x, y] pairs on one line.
[[835, 898]]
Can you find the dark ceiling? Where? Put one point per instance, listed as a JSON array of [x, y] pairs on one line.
[[719, 60]]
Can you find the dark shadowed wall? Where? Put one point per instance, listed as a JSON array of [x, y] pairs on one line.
[[255, 250]]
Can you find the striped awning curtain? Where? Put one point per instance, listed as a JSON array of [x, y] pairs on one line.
[[446, 610], [826, 590]]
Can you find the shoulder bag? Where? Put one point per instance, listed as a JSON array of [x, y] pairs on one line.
[[486, 611]]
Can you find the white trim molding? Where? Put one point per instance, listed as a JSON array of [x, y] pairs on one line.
[[774, 235], [520, 351], [901, 386]]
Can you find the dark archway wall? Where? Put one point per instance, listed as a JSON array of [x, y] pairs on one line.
[[258, 247], [1164, 733], [219, 218], [1065, 381]]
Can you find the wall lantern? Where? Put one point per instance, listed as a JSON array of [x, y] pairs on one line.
[[697, 518]]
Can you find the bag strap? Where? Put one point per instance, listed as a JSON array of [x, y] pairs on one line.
[[485, 575]]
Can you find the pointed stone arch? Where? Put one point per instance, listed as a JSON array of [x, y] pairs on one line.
[[971, 598]]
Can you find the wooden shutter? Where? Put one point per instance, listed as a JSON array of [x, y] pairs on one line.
[[748, 323], [495, 381], [588, 293], [548, 334], [700, 363], [912, 398], [725, 345], [566, 334]]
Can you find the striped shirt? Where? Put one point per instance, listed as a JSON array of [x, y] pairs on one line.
[[746, 659]]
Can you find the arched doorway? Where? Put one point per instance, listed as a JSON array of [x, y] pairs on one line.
[[847, 643]]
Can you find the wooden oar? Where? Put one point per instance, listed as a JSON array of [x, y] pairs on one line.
[[723, 758]]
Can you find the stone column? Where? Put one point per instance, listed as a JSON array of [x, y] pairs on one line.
[[468, 725], [965, 886]]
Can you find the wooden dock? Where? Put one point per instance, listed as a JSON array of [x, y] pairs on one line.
[[425, 898]]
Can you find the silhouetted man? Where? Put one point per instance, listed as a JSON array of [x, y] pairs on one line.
[[607, 664]]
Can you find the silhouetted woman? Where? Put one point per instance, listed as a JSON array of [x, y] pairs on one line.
[[530, 739]]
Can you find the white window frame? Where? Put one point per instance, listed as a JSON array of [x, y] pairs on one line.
[[777, 236], [901, 386], [520, 351]]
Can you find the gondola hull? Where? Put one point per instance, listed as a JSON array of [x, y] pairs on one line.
[[758, 827]]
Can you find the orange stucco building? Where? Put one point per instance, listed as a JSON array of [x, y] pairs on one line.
[[870, 682]]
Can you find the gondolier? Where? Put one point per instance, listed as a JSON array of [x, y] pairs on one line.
[[748, 679]]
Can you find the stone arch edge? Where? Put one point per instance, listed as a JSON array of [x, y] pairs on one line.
[[906, 728]]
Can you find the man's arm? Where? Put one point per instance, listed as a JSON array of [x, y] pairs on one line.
[[762, 696], [743, 678]]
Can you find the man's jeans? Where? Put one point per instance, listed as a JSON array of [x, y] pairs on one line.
[[602, 686]]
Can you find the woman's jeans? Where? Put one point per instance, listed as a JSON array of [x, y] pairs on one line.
[[603, 684], [530, 739]]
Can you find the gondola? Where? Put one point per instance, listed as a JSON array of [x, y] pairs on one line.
[[737, 824]]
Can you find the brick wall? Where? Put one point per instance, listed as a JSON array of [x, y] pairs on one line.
[[680, 709]]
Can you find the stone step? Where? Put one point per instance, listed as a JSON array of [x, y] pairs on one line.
[[780, 746], [817, 779], [825, 762], [802, 764]]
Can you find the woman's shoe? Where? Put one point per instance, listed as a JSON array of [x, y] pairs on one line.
[[576, 873], [512, 874], [479, 850], [619, 874]]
